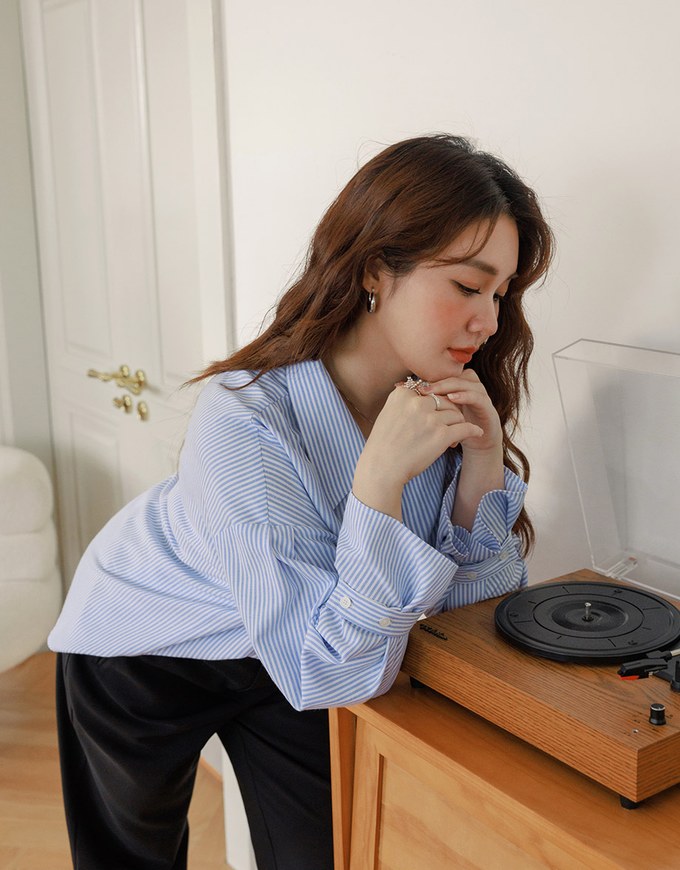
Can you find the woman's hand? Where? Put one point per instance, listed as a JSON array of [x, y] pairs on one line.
[[467, 393], [482, 467], [409, 434]]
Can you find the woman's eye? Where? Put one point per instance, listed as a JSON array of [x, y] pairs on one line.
[[470, 291], [467, 290]]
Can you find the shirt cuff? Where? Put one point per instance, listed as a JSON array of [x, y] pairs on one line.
[[369, 614], [388, 576], [496, 515]]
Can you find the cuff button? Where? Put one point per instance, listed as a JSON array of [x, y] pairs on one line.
[[345, 601]]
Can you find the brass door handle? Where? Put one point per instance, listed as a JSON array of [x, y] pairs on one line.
[[122, 378], [124, 402]]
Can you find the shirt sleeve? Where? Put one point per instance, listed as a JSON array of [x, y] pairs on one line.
[[328, 613], [489, 555]]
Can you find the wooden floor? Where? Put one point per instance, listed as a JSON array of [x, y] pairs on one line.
[[32, 827]]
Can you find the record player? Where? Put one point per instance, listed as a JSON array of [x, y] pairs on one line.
[[586, 667]]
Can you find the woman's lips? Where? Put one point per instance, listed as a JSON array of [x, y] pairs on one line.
[[461, 354]]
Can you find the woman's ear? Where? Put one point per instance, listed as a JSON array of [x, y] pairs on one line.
[[375, 275]]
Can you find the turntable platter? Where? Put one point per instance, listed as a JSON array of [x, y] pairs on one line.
[[588, 622]]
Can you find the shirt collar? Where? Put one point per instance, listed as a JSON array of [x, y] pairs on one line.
[[330, 435]]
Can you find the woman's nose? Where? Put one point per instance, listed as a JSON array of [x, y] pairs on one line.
[[485, 320]]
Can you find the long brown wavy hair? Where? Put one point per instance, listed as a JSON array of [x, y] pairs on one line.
[[402, 208]]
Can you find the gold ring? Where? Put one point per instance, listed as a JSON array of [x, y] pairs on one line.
[[413, 384]]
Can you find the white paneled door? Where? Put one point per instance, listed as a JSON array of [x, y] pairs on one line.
[[124, 100]]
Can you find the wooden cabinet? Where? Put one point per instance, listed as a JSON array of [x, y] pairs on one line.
[[420, 782]]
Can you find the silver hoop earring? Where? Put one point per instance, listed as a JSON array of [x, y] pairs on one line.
[[370, 302]]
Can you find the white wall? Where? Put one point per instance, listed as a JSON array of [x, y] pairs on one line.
[[580, 97]]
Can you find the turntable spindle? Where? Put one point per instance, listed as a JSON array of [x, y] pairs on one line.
[[588, 616]]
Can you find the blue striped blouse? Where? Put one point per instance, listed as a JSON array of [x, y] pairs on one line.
[[258, 548]]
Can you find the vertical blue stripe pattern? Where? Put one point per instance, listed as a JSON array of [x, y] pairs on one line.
[[257, 547]]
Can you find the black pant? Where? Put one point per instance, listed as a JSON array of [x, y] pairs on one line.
[[130, 734]]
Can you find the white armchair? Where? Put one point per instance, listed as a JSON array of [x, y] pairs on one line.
[[30, 582]]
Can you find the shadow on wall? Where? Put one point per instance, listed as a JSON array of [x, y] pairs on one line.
[[561, 542]]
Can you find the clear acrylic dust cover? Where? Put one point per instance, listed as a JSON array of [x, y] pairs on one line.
[[621, 407]]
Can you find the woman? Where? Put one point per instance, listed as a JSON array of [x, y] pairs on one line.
[[345, 473]]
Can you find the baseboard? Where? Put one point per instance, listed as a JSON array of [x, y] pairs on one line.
[[207, 766]]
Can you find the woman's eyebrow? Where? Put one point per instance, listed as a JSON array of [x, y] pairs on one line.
[[476, 263], [483, 266]]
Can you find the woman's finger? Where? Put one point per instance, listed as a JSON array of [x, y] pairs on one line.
[[462, 431], [465, 381], [468, 397]]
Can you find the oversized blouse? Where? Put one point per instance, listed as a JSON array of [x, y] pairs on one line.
[[258, 548]]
